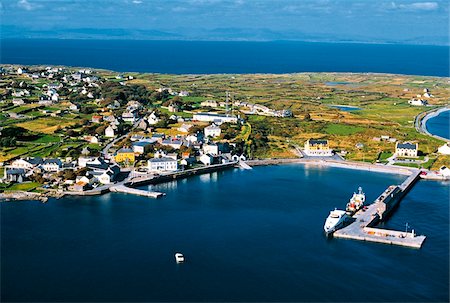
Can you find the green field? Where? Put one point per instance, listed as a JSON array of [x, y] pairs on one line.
[[342, 129]]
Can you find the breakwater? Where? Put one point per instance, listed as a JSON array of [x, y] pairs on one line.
[[364, 221]]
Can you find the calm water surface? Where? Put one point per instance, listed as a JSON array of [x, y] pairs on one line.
[[247, 236], [440, 125], [202, 57]]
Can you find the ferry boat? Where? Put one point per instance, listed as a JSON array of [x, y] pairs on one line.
[[356, 202], [335, 220]]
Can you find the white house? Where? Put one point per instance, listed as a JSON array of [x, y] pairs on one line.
[[210, 148], [129, 117], [17, 101], [142, 147], [162, 164], [445, 171], [184, 128], [209, 103], [28, 163], [109, 132], [207, 159], [74, 107], [212, 131], [417, 102], [216, 118], [152, 119], [406, 149], [52, 165], [444, 149]]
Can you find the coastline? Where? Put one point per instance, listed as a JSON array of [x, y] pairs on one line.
[[43, 197]]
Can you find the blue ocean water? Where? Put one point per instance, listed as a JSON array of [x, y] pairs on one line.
[[180, 57], [440, 125], [247, 236]]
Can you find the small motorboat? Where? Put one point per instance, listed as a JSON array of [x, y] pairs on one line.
[[179, 258]]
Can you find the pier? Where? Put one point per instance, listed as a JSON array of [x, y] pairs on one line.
[[363, 226], [134, 191]]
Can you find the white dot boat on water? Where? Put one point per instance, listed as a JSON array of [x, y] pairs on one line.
[[179, 258]]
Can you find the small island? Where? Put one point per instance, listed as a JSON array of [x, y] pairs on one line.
[[67, 130]]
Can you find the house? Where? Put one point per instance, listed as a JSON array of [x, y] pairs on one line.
[[444, 149], [114, 105], [52, 165], [74, 107], [109, 132], [54, 86], [124, 155], [28, 163], [184, 128], [162, 164], [55, 97], [153, 119], [106, 176], [79, 186], [209, 103], [142, 147], [129, 117], [173, 108], [319, 148], [158, 137], [406, 149], [211, 148], [216, 118], [207, 159], [172, 142], [418, 102], [143, 124], [445, 171], [15, 175], [96, 119], [17, 102], [212, 131], [92, 139], [183, 93]]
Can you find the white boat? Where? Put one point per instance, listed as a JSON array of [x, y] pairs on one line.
[[179, 257], [335, 220], [356, 201]]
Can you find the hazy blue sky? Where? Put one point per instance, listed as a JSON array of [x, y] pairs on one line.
[[425, 22]]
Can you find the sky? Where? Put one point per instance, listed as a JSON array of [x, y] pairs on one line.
[[373, 21]]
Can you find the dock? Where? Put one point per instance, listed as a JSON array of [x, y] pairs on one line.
[[134, 191], [364, 221]]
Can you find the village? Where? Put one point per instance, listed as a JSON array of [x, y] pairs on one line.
[[72, 130]]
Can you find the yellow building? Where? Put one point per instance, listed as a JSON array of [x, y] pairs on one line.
[[124, 155], [318, 148]]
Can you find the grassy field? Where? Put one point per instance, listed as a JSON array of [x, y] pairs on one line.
[[46, 125], [382, 99], [27, 186]]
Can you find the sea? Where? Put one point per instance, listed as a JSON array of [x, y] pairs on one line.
[[212, 57], [247, 235], [440, 125]]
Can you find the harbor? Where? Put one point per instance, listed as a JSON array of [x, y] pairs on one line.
[[364, 223]]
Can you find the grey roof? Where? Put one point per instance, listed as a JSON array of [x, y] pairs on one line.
[[407, 145], [35, 161], [125, 150], [162, 159], [53, 161], [314, 141], [15, 171]]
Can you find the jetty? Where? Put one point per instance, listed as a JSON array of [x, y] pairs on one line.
[[134, 191], [364, 221]]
